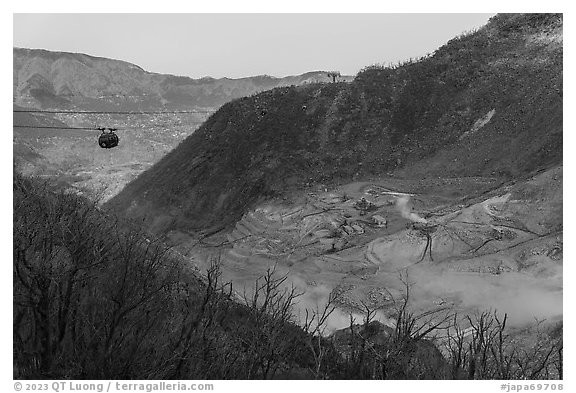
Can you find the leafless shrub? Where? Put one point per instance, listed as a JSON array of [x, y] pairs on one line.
[[315, 325], [487, 350], [93, 299], [271, 336]]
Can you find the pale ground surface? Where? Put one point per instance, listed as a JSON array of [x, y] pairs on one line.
[[500, 250]]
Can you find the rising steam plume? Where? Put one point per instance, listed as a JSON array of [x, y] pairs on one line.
[[405, 210]]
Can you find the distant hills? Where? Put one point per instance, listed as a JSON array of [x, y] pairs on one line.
[[485, 104], [47, 79], [74, 81]]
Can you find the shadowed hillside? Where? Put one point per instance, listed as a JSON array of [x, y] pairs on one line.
[[74, 81], [95, 300], [485, 104]]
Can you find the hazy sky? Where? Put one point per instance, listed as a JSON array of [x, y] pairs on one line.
[[237, 45]]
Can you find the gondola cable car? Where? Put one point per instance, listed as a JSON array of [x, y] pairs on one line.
[[108, 139]]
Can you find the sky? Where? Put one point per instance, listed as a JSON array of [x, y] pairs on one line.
[[240, 45]]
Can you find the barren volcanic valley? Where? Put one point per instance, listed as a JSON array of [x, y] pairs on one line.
[[442, 175]]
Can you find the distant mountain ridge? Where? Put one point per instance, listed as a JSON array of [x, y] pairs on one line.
[[48, 79]]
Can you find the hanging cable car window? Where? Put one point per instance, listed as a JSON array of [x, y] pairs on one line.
[[108, 139]]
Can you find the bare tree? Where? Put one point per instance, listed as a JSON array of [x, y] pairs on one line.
[[486, 350], [333, 75], [315, 325], [271, 338]]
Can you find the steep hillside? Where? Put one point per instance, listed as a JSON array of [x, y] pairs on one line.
[[74, 81], [485, 104], [95, 300], [57, 79]]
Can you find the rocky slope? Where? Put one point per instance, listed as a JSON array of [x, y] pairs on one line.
[[485, 104]]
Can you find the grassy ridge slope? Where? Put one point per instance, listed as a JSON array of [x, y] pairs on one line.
[[488, 103]]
